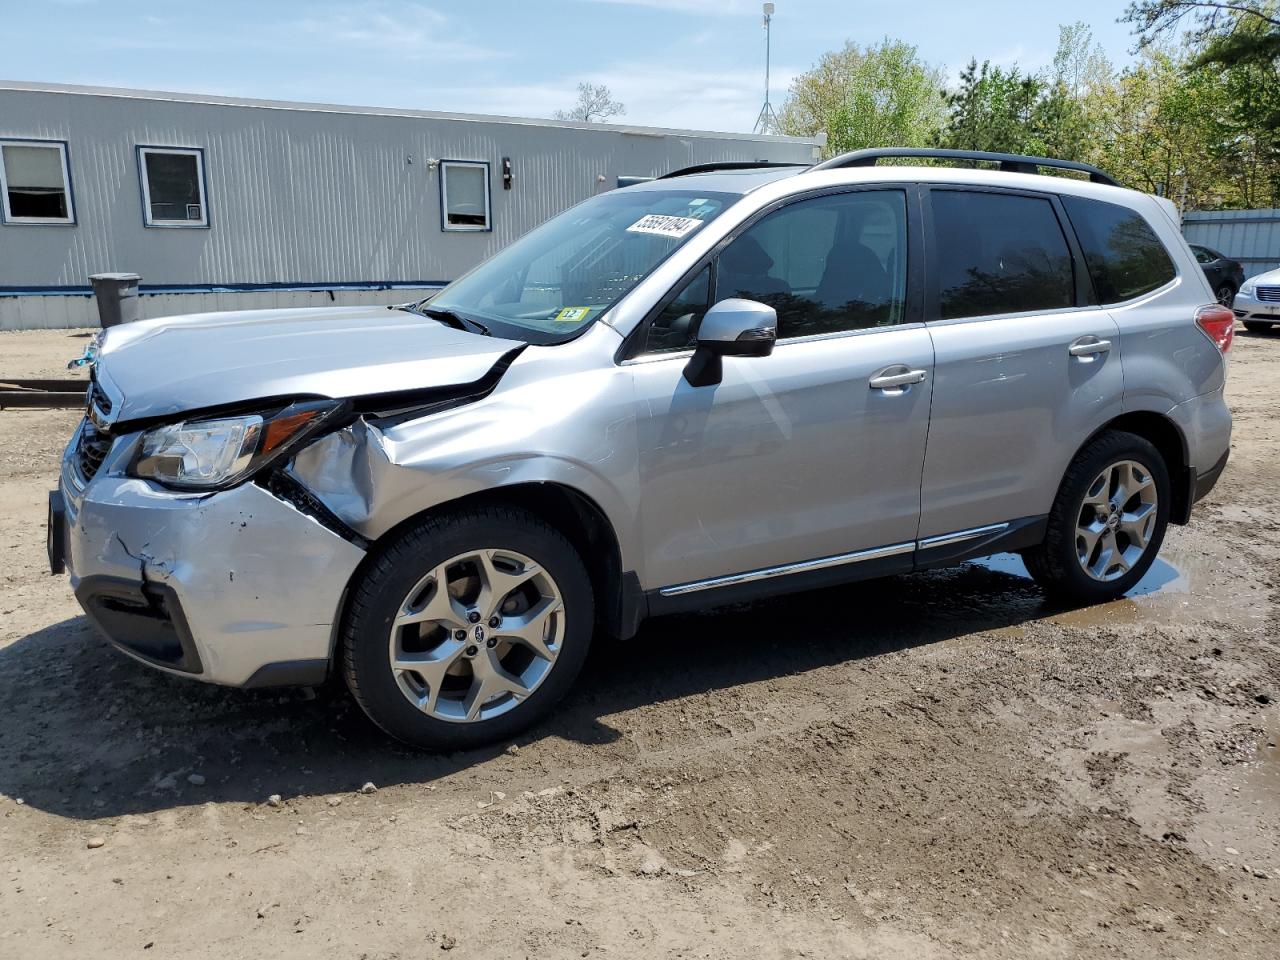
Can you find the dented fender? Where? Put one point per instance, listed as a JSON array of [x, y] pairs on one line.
[[374, 477]]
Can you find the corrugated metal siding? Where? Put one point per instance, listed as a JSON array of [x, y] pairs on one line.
[[1250, 236], [314, 196]]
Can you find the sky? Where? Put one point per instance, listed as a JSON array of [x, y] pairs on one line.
[[673, 63]]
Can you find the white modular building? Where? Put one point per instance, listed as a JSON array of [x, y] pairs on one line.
[[223, 203]]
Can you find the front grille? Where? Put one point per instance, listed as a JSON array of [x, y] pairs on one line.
[[1269, 294], [99, 398], [91, 450]]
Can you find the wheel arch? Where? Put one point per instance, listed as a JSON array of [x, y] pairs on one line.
[[1165, 435], [619, 598]]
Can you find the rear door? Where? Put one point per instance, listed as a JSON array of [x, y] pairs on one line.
[[1026, 366]]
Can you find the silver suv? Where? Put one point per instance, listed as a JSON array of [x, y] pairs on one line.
[[714, 386]]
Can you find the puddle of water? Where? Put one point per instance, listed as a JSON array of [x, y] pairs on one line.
[[1162, 577], [1178, 585]]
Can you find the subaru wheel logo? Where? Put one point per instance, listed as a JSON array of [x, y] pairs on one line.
[[479, 634]]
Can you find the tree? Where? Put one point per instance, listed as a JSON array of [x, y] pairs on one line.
[[1067, 114], [882, 95], [997, 110], [1221, 89], [1227, 32], [595, 105]]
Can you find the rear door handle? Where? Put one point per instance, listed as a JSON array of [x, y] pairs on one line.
[[896, 375], [1088, 346]]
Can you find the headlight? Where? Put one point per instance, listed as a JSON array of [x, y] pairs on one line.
[[205, 454], [1248, 288]]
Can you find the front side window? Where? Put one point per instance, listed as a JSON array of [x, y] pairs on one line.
[[999, 253], [173, 187], [464, 195], [676, 325], [828, 264], [1125, 257], [562, 276], [35, 182], [1203, 254]]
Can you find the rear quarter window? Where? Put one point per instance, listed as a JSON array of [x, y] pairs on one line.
[[1124, 256]]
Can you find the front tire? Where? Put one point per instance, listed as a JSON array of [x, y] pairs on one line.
[[1107, 522], [1225, 294], [467, 628]]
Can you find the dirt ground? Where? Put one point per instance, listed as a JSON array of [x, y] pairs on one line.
[[934, 765]]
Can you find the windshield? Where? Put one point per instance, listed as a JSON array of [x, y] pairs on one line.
[[559, 278]]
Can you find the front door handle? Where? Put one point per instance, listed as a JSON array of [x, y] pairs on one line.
[[895, 376], [1089, 346]]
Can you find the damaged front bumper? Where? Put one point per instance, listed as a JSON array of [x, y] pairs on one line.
[[236, 587]]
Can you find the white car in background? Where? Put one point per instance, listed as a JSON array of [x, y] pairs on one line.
[[1257, 301]]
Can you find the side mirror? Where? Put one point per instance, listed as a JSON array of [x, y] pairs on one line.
[[731, 328]]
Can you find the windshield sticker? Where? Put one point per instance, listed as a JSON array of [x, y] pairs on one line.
[[571, 314], [663, 226]]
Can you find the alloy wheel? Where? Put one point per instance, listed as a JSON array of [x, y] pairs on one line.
[[1116, 521], [477, 635]]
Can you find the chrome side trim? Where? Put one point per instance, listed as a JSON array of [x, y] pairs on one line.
[[947, 539], [804, 566], [822, 563]]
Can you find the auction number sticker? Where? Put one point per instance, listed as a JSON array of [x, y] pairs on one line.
[[663, 226], [572, 314]]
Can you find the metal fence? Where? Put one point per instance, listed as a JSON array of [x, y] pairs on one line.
[[1250, 236]]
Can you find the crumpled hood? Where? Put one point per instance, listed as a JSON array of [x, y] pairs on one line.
[[174, 364]]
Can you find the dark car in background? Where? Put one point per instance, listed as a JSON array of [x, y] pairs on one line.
[[1224, 275]]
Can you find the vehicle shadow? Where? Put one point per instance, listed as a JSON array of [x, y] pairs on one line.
[[86, 732]]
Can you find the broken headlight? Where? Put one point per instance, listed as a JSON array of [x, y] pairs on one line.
[[208, 454]]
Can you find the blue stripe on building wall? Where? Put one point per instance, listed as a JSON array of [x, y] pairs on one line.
[[147, 288]]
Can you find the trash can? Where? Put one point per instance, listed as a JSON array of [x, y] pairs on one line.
[[117, 296]]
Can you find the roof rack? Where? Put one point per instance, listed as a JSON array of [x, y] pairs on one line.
[[727, 165], [1008, 162]]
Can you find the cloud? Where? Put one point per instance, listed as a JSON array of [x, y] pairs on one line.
[[705, 7], [703, 99], [408, 29]]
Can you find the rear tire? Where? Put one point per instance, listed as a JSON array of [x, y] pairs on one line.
[[467, 628], [1107, 522], [1257, 326]]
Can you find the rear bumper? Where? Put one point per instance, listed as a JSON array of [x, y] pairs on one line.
[[1205, 425], [236, 587], [1204, 482]]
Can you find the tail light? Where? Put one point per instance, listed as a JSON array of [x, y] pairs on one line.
[[1218, 324]]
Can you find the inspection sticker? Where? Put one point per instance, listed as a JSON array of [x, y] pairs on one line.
[[571, 314], [675, 227]]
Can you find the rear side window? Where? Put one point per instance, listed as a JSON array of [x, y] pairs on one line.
[[1125, 257], [999, 253]]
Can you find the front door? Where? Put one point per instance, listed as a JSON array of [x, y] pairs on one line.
[[816, 451], [1026, 368]]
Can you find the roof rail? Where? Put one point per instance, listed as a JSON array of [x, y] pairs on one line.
[[727, 165], [1008, 162]]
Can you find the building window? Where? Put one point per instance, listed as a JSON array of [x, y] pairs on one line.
[[173, 193], [464, 195], [35, 182]]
